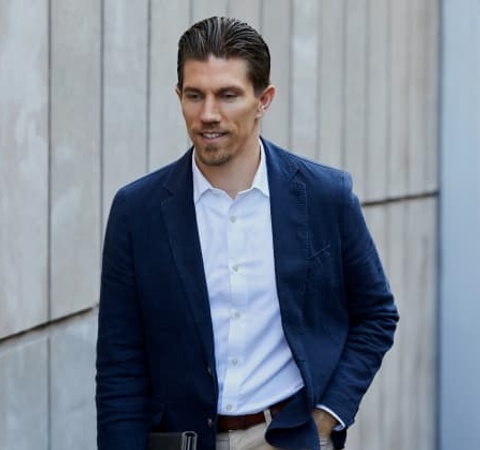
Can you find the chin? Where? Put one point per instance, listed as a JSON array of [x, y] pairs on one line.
[[213, 157]]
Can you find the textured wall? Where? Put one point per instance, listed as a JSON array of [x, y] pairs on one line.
[[88, 103]]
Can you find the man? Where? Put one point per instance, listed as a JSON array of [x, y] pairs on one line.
[[242, 296]]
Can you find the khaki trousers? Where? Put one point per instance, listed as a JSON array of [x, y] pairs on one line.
[[253, 438]]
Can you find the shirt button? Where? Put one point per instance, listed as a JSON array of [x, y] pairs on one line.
[[234, 361], [210, 423], [229, 407], [233, 219], [236, 315], [235, 268]]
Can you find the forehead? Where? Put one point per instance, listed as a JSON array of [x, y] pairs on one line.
[[215, 73]]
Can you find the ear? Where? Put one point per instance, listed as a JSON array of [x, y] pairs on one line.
[[265, 100], [178, 92]]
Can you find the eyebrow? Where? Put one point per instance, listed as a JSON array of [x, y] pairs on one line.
[[233, 88]]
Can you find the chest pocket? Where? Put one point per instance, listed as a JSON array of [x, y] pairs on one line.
[[324, 274]]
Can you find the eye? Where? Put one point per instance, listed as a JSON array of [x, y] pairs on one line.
[[193, 96], [229, 95]]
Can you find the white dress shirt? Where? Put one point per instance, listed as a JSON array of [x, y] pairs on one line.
[[255, 366]]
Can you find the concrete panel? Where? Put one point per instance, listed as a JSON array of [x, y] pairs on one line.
[[277, 30], [365, 433], [428, 376], [391, 372], [377, 100], [23, 165], [398, 164], [407, 337], [125, 65], [419, 379], [167, 135], [72, 397], [355, 104], [24, 397], [247, 10], [432, 95], [332, 71], [305, 83], [75, 154], [207, 8], [418, 90]]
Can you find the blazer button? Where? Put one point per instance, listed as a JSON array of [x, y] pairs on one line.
[[210, 422], [209, 370]]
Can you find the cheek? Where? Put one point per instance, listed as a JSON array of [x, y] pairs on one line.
[[244, 118], [190, 113]]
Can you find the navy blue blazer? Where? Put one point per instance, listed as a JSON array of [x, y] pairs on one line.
[[155, 355]]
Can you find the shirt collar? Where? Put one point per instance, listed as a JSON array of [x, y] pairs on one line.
[[202, 185]]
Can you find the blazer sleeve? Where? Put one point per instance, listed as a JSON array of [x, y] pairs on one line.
[[371, 310], [121, 380]]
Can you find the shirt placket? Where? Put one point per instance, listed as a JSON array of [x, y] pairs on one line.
[[239, 292]]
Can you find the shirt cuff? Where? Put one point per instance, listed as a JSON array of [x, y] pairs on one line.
[[341, 423]]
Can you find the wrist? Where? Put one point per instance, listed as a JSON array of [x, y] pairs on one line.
[[324, 421]]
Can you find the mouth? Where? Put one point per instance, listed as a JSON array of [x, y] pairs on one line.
[[211, 135]]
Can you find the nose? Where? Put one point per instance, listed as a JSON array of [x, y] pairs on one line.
[[210, 111]]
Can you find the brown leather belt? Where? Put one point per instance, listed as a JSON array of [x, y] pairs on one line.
[[231, 423]]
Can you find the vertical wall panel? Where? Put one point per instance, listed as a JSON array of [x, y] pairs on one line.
[[72, 395], [432, 110], [247, 10], [75, 155], [366, 434], [428, 353], [332, 72], [206, 8], [417, 92], [355, 110], [24, 397], [392, 369], [168, 138], [305, 83], [419, 369], [377, 99], [277, 30], [124, 95], [400, 29], [412, 298], [23, 164]]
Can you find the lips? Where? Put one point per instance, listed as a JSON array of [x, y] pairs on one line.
[[212, 134], [211, 137]]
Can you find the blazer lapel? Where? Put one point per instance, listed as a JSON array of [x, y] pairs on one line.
[[288, 202], [289, 211], [181, 225]]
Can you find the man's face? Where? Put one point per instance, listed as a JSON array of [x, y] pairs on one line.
[[221, 111]]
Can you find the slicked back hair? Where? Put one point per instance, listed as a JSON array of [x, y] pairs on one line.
[[225, 37]]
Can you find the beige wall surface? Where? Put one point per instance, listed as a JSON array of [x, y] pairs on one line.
[[88, 104]]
